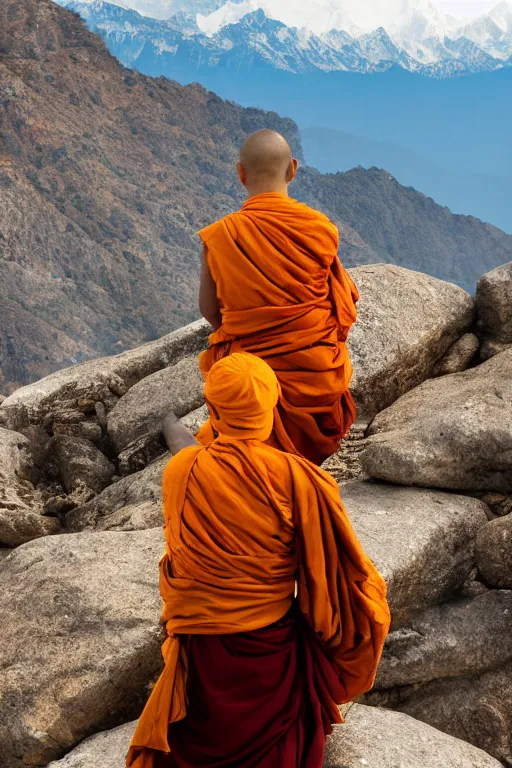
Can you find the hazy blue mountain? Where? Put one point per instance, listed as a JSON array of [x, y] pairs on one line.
[[329, 151]]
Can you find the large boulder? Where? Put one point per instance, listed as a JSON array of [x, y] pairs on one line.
[[454, 432], [132, 503], [371, 737], [451, 640], [21, 504], [378, 738], [421, 541], [475, 708], [76, 394], [406, 323], [493, 550], [135, 422], [80, 639], [494, 310]]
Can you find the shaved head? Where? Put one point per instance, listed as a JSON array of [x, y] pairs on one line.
[[266, 157]]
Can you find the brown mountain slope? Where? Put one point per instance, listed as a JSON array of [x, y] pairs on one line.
[[105, 177]]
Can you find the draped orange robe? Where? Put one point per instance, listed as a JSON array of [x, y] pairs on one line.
[[285, 297], [242, 519]]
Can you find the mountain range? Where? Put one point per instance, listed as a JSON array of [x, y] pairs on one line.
[[106, 175], [300, 37]]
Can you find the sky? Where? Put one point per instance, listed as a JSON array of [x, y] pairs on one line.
[[466, 7]]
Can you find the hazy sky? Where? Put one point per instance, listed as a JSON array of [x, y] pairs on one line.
[[466, 7]]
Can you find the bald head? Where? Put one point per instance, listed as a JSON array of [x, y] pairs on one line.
[[266, 160]]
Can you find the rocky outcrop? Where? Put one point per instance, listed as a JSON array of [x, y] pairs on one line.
[[494, 553], [118, 403], [475, 708], [133, 503], [22, 508], [422, 541], [86, 423], [457, 639], [90, 390], [406, 323], [454, 432], [135, 423], [373, 737], [80, 639], [494, 310], [459, 356]]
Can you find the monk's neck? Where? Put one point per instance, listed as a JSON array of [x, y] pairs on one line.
[[261, 189]]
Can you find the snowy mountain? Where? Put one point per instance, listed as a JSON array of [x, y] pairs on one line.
[[294, 36]]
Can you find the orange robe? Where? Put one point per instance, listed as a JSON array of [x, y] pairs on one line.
[[286, 298], [241, 519]]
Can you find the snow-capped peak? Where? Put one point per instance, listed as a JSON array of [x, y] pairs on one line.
[[322, 16], [327, 34]]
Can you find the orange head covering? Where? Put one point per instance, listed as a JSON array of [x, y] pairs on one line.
[[241, 392]]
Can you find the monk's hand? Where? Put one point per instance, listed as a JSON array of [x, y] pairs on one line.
[[176, 435]]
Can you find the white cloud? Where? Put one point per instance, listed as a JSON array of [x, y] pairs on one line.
[[462, 8]]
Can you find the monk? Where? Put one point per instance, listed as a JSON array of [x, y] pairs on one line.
[[274, 614], [272, 285]]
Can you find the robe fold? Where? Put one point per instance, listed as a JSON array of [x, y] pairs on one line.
[[285, 297]]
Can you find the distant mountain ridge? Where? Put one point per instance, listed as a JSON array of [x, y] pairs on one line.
[[239, 34], [106, 175], [330, 150]]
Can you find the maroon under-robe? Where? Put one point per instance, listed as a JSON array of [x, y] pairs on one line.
[[262, 699]]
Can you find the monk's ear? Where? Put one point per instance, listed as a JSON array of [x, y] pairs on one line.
[[241, 173], [292, 170]]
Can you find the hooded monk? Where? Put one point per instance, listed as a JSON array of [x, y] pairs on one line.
[[252, 673], [272, 285]]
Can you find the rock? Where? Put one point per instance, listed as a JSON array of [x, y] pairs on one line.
[[454, 432], [133, 503], [80, 639], [477, 709], [490, 348], [81, 464], [459, 356], [135, 423], [452, 640], [105, 750], [499, 504], [4, 553], [406, 323], [345, 464], [494, 310], [473, 588], [88, 430], [2, 398], [378, 738], [370, 737], [493, 550], [78, 389], [21, 505], [421, 541]]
